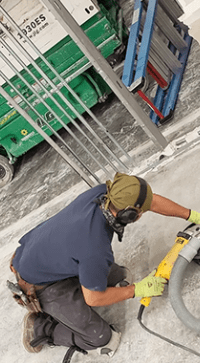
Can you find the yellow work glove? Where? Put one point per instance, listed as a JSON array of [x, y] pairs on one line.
[[194, 217], [150, 286]]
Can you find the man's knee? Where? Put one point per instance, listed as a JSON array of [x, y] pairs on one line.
[[111, 347], [94, 336], [99, 338]]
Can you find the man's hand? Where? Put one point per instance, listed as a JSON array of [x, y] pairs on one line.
[[150, 286], [194, 217]]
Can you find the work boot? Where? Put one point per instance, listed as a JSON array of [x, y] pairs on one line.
[[110, 348], [28, 333], [38, 331]]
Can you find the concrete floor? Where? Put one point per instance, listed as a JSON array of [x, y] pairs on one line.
[[44, 184], [144, 246]]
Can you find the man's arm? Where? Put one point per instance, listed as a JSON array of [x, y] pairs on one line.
[[110, 296], [167, 207], [150, 286]]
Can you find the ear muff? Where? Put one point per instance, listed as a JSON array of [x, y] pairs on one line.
[[126, 216], [130, 215]]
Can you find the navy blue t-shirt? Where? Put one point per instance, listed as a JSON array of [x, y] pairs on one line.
[[74, 242]]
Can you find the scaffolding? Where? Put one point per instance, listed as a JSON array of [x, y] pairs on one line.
[[44, 88]]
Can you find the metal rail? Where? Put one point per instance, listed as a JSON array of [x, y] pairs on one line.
[[105, 70], [57, 90], [46, 137], [42, 100], [53, 86], [49, 126]]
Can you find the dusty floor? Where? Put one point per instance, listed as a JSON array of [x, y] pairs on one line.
[[44, 184], [145, 244]]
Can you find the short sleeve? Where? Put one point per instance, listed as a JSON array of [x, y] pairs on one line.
[[93, 272]]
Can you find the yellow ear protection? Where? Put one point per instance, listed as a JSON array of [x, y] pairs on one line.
[[130, 215]]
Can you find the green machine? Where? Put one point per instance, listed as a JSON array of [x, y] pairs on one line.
[[103, 24]]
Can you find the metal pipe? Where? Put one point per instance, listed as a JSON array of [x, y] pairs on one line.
[[55, 101], [48, 125], [105, 70], [66, 85], [46, 137], [68, 79], [48, 107]]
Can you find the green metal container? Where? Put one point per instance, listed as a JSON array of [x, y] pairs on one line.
[[16, 135]]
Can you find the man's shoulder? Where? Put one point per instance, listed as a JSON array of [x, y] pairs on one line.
[[94, 192], [88, 199]]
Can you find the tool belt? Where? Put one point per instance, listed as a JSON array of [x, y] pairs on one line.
[[23, 292]]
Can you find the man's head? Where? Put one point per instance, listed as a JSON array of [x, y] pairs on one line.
[[128, 193]]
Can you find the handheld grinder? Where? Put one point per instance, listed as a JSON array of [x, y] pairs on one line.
[[165, 267], [187, 246]]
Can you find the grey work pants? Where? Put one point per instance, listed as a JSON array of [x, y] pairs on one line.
[[78, 323]]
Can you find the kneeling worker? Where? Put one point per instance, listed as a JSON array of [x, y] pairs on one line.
[[65, 266]]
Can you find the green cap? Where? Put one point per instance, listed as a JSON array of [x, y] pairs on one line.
[[124, 192]]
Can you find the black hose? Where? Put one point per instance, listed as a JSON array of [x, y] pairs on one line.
[[68, 356], [139, 317]]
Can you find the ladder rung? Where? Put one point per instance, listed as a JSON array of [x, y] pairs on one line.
[[160, 66], [172, 8], [156, 75], [165, 54], [167, 27], [176, 80]]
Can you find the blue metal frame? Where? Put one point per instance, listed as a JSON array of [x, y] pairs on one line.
[[131, 52], [146, 43], [165, 100], [175, 84], [135, 65], [158, 102]]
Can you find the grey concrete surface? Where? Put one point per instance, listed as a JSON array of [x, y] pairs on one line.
[[144, 246]]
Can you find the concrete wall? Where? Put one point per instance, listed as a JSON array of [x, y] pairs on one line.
[[192, 16]]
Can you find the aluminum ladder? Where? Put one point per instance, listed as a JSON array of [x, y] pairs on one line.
[[158, 44]]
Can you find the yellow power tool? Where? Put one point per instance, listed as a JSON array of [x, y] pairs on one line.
[[164, 270], [165, 267]]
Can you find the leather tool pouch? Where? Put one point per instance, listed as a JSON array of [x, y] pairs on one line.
[[28, 300], [23, 292], [31, 302]]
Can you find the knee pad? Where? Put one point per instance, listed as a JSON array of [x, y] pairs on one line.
[[112, 345]]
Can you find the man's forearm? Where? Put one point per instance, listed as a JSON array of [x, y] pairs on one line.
[[110, 296], [167, 207]]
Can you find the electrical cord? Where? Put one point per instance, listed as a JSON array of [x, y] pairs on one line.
[[139, 317]]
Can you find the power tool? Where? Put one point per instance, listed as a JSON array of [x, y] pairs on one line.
[[165, 267], [183, 239]]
